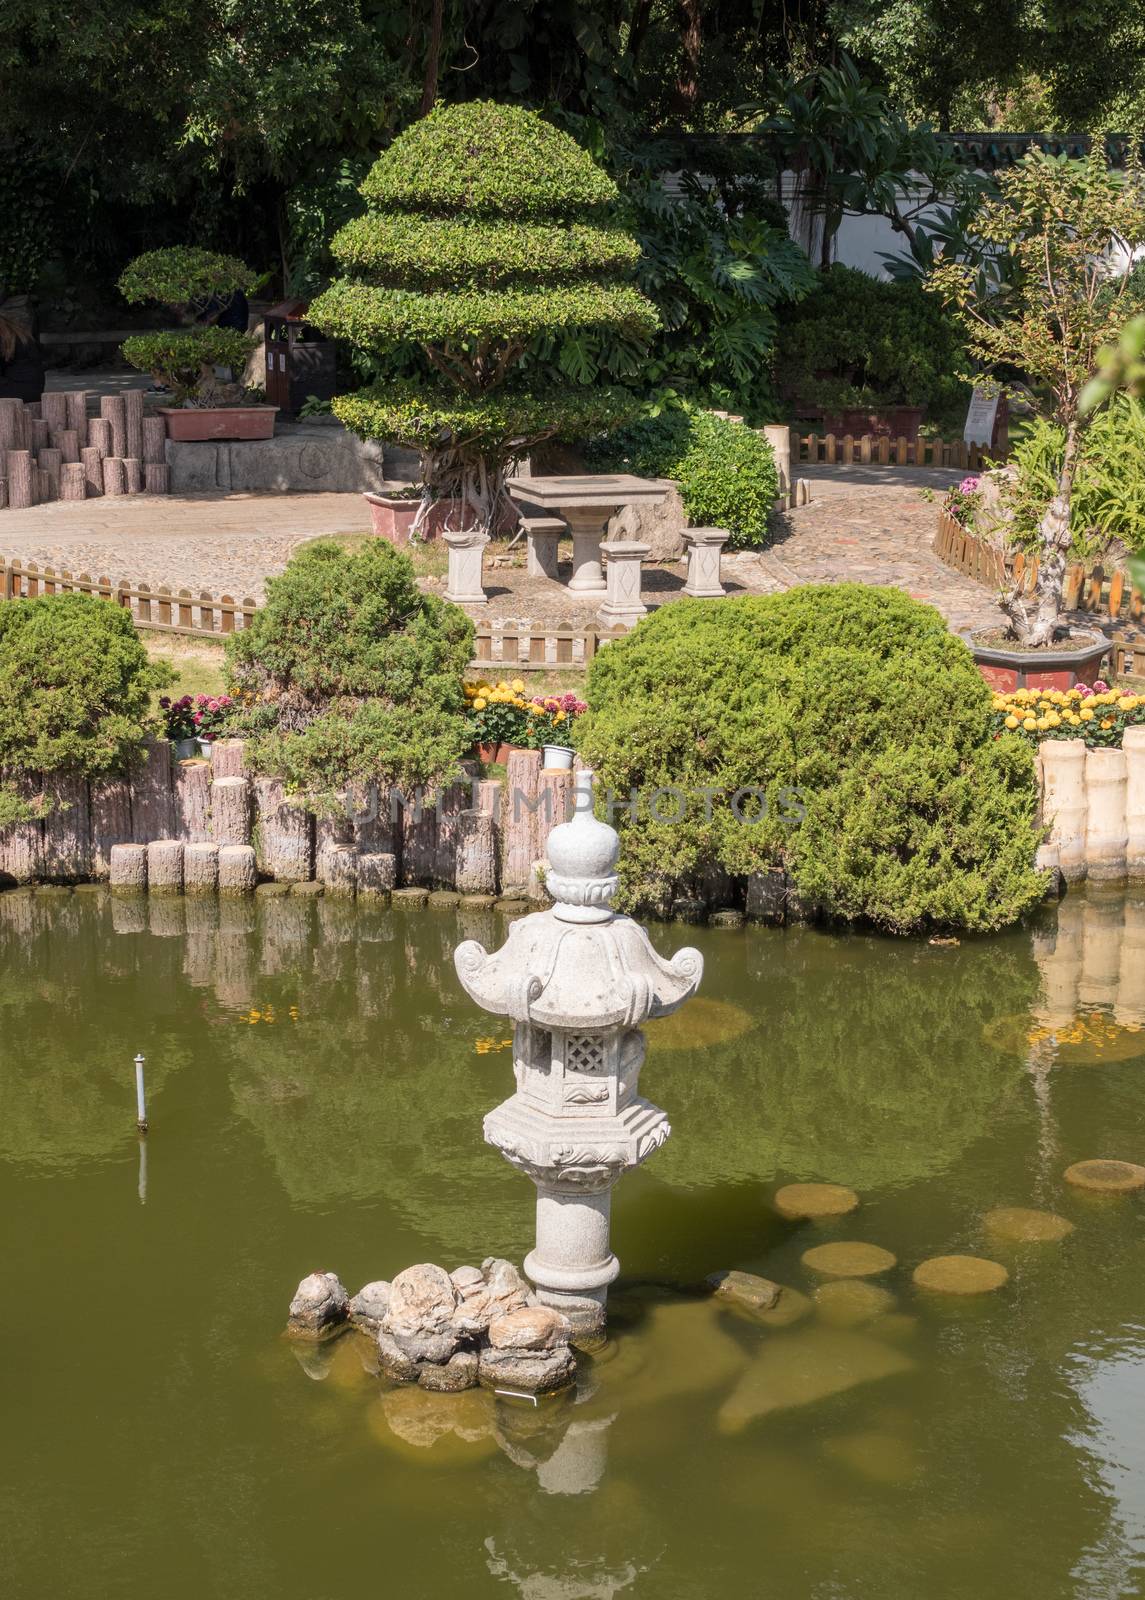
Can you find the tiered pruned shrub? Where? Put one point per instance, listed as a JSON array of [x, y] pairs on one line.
[[488, 232], [855, 731]]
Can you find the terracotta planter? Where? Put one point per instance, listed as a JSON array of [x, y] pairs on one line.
[[495, 754], [197, 423], [892, 422], [393, 517], [1062, 667]]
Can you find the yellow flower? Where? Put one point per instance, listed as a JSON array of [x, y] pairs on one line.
[[1086, 714], [479, 703], [1107, 722], [519, 685], [1011, 721], [1127, 702], [1029, 724]]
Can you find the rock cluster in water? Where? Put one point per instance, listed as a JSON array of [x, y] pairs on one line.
[[447, 1331]]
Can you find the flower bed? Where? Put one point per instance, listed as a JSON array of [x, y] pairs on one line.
[[1099, 716], [502, 715], [198, 716]]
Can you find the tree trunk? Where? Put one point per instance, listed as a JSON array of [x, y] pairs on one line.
[[432, 58], [689, 15], [1053, 537]]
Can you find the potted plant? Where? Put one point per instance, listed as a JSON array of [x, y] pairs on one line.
[[1059, 227], [498, 718], [487, 234], [197, 363], [179, 725], [551, 729]]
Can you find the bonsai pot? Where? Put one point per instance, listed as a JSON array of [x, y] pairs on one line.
[[393, 517], [556, 758], [1064, 665], [186, 749], [890, 422], [187, 424]]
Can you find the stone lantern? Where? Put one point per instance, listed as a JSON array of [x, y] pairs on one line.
[[577, 980]]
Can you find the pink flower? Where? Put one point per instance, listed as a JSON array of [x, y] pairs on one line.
[[1101, 687], [969, 486]]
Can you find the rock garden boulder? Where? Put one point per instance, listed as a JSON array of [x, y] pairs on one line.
[[319, 1306]]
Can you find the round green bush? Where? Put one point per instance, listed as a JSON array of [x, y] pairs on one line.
[[860, 721], [349, 673], [726, 470], [75, 690]]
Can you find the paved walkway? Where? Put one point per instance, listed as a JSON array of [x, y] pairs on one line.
[[878, 533]]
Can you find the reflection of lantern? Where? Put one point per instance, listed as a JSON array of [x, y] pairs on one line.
[[577, 980]]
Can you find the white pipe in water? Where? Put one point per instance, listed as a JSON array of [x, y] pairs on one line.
[[140, 1096]]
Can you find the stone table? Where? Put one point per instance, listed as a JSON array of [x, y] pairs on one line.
[[587, 503]]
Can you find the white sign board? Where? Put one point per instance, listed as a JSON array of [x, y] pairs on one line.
[[980, 417]]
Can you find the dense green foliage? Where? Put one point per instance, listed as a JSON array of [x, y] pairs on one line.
[[185, 278], [1107, 503], [444, 189], [178, 358], [858, 341], [75, 690], [726, 471], [506, 418], [863, 723], [349, 673]]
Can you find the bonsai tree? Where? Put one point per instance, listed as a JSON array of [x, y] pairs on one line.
[[1064, 299], [196, 285], [487, 235]]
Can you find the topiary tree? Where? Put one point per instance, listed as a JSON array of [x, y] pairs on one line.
[[195, 285], [859, 719], [350, 674], [75, 692], [487, 234]]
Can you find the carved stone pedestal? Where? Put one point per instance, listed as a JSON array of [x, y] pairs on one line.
[[705, 553], [463, 584], [623, 608]]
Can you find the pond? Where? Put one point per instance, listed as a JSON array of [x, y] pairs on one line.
[[317, 1082]]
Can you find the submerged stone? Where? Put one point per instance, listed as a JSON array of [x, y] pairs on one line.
[[757, 1294], [806, 1367], [807, 1200], [848, 1258], [960, 1275], [880, 1457], [1019, 1225], [1106, 1177], [704, 1023], [847, 1302]]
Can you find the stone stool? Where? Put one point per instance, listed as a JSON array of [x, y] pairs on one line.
[[705, 551], [623, 606], [463, 584], [544, 534]]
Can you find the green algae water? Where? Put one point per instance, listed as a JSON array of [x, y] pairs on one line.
[[317, 1081]]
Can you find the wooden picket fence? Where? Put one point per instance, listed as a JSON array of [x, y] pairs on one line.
[[1089, 589], [1108, 597], [179, 611], [170, 611], [534, 648], [880, 450]]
